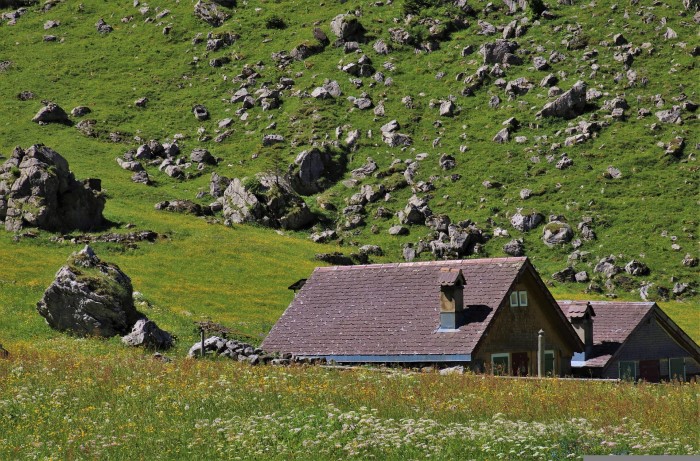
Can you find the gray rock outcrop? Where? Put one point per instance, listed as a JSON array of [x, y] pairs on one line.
[[557, 233], [210, 13], [347, 28], [525, 223], [569, 105], [37, 189], [268, 200]]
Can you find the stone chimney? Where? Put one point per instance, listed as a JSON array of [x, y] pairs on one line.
[[582, 321], [451, 283]]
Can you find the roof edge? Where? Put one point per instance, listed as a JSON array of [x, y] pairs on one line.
[[446, 262]]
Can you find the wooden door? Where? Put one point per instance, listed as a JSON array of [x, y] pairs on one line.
[[520, 364], [649, 371]]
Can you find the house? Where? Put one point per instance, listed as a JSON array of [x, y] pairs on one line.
[[487, 314], [630, 340]]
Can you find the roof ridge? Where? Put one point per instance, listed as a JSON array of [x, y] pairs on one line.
[[450, 262], [643, 303]]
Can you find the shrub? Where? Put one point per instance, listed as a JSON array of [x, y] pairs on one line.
[[275, 22]]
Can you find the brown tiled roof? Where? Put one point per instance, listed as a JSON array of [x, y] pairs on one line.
[[390, 309], [613, 323]]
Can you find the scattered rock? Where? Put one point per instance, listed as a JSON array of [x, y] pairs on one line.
[[635, 267], [569, 105], [52, 113], [514, 248], [398, 230], [145, 333], [200, 112], [525, 223], [607, 267], [80, 111], [210, 13], [102, 27], [557, 233], [202, 156], [565, 275]]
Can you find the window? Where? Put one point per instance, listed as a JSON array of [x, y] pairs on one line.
[[676, 368], [518, 299], [500, 364], [628, 370], [549, 363]]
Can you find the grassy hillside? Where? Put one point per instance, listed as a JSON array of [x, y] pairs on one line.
[[238, 275]]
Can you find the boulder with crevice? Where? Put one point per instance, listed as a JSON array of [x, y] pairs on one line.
[[37, 189], [89, 297]]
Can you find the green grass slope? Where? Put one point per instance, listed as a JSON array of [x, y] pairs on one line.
[[238, 276]]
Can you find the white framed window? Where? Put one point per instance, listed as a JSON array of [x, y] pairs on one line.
[[522, 297], [676, 368], [628, 370], [518, 299], [500, 364]]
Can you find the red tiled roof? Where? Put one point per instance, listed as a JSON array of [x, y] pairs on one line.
[[390, 309], [612, 325]]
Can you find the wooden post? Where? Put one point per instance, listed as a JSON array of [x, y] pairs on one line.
[[540, 353], [201, 334]]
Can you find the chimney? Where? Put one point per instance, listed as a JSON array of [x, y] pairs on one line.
[[582, 321], [451, 283]]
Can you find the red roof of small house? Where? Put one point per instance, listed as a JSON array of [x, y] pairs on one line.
[[394, 309], [614, 323]]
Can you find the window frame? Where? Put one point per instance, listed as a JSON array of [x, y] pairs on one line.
[[635, 367], [522, 295], [518, 298], [507, 370], [670, 374]]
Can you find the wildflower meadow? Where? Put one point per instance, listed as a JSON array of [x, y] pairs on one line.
[[54, 405]]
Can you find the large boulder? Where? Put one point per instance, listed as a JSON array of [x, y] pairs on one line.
[[569, 105], [347, 28], [267, 199], [89, 297], [313, 171], [37, 189]]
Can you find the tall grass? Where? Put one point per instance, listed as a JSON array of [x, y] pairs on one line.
[[60, 405]]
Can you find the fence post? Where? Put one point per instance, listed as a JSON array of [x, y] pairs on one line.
[[201, 335]]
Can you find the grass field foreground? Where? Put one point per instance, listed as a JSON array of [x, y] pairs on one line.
[[55, 405]]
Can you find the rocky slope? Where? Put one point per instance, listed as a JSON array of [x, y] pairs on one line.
[[564, 131]]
